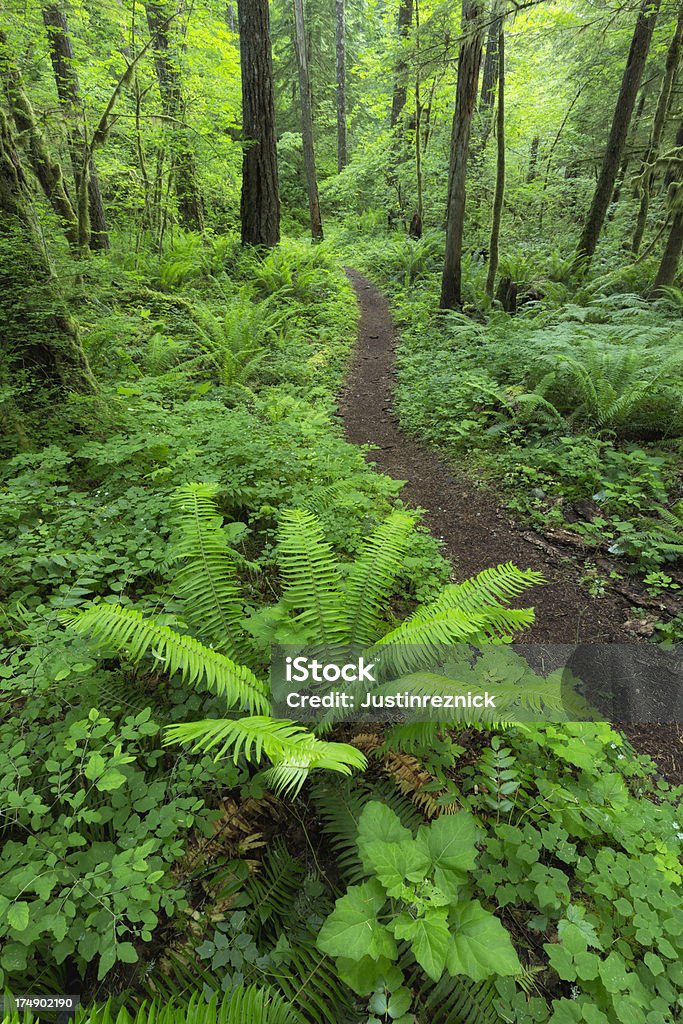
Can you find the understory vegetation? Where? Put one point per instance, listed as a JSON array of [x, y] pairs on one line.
[[571, 405], [178, 502]]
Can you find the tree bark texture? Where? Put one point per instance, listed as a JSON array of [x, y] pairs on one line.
[[169, 77], [673, 59], [342, 154], [260, 206], [466, 98], [668, 268], [307, 121], [499, 197], [68, 91], [400, 95], [633, 73], [47, 170], [533, 159], [38, 336]]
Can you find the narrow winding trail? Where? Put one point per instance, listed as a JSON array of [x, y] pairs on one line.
[[475, 531]]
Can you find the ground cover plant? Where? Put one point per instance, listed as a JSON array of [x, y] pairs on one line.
[[182, 188]]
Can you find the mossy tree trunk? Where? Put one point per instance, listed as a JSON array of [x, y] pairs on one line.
[[169, 77], [40, 341], [94, 226], [647, 174], [473, 13], [499, 197], [630, 84]]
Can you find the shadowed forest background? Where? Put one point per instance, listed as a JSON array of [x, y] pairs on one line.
[[183, 188]]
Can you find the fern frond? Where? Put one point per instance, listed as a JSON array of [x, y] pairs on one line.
[[294, 751], [274, 890], [207, 581], [485, 597], [421, 640], [369, 583], [128, 631], [310, 571]]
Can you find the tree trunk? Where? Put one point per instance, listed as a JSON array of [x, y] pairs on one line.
[[668, 268], [69, 94], [47, 171], [39, 338], [400, 96], [307, 121], [533, 159], [466, 98], [260, 207], [621, 120], [500, 168], [169, 77], [663, 104], [418, 217], [342, 156]]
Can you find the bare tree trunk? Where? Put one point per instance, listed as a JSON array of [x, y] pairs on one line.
[[533, 159], [400, 96], [621, 120], [230, 16], [169, 76], [307, 121], [260, 206], [342, 156], [500, 167], [418, 217], [663, 104], [69, 94], [466, 98], [47, 170], [39, 338]]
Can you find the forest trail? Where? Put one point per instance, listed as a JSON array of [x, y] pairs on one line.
[[476, 532]]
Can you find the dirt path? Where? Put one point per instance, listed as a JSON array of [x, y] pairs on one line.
[[475, 531]]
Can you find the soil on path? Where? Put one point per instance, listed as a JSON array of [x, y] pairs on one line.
[[466, 516]]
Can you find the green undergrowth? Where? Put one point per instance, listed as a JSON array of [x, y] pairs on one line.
[[571, 407]]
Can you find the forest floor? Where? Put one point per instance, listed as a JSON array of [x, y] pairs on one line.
[[476, 532]]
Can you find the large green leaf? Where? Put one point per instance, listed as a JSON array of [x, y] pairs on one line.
[[396, 863], [450, 843], [429, 938], [480, 945], [366, 975], [378, 825], [352, 929]]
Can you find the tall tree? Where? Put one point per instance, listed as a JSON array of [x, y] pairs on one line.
[[170, 79], [633, 73], [499, 197], [473, 12], [400, 94], [671, 257], [69, 93], [47, 170], [647, 173], [260, 205], [39, 338], [342, 155], [307, 121], [489, 81]]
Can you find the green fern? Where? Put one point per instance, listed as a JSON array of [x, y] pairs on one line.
[[250, 1005], [127, 630], [206, 580], [372, 577], [294, 751], [311, 577]]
